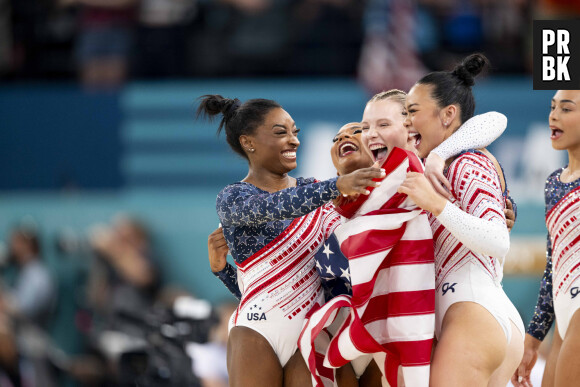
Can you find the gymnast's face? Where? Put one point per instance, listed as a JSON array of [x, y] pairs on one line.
[[424, 121], [565, 120], [347, 152], [383, 128], [274, 143]]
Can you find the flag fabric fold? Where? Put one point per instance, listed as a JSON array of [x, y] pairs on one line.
[[391, 313]]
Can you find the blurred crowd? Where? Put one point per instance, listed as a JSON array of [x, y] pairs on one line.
[[384, 42], [125, 325]]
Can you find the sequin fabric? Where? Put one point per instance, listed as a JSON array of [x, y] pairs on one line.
[[472, 226], [251, 218], [543, 317]]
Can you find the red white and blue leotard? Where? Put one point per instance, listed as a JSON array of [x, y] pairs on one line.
[[561, 282], [273, 238], [554, 192], [471, 240]]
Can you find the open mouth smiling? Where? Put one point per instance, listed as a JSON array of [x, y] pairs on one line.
[[289, 154], [415, 137], [347, 148], [379, 151]]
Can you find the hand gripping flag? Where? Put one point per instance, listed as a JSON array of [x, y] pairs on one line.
[[391, 314]]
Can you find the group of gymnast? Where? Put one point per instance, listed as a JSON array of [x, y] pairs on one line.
[[422, 294]]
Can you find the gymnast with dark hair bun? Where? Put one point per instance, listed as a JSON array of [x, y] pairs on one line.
[[479, 331], [273, 225]]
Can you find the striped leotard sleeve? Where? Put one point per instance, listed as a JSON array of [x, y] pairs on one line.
[[242, 205], [477, 132], [229, 276], [544, 312], [479, 222]]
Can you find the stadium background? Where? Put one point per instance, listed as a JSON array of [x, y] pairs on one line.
[[73, 155]]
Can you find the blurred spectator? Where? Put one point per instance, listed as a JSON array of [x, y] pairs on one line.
[[177, 38], [454, 28], [162, 36], [566, 9], [210, 359], [122, 286], [28, 303], [105, 41], [243, 37], [403, 38], [33, 295], [124, 277], [325, 37], [5, 36], [389, 56], [42, 35]]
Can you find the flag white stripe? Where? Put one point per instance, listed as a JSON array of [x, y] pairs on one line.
[[418, 229], [416, 376], [362, 270], [385, 190], [405, 278], [403, 328]]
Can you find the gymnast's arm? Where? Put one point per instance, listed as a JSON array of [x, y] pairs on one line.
[[240, 205], [544, 312], [477, 132], [479, 223], [218, 252]]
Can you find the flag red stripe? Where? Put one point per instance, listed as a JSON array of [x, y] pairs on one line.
[[417, 302], [370, 242], [413, 353], [411, 251]]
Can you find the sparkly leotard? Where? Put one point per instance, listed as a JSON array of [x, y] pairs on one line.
[[278, 210], [471, 240], [555, 192], [273, 238]]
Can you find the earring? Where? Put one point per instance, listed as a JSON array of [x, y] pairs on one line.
[[251, 149]]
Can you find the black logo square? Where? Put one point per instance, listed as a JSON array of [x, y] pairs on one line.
[[556, 54]]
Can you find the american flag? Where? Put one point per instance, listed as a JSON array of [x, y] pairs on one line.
[[391, 314]]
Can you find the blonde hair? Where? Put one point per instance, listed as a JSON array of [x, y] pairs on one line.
[[395, 94]]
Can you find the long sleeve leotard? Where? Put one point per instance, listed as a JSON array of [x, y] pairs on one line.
[[251, 218], [544, 315]]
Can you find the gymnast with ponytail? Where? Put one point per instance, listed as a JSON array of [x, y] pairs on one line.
[[273, 225]]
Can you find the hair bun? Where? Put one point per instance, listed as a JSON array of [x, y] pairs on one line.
[[213, 104], [469, 68]]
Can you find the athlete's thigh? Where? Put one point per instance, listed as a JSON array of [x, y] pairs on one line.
[[549, 376], [296, 373], [471, 346], [251, 360], [568, 364]]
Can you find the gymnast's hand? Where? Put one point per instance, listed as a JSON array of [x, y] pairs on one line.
[[434, 166], [521, 377], [419, 189], [217, 250], [357, 182], [510, 215]]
